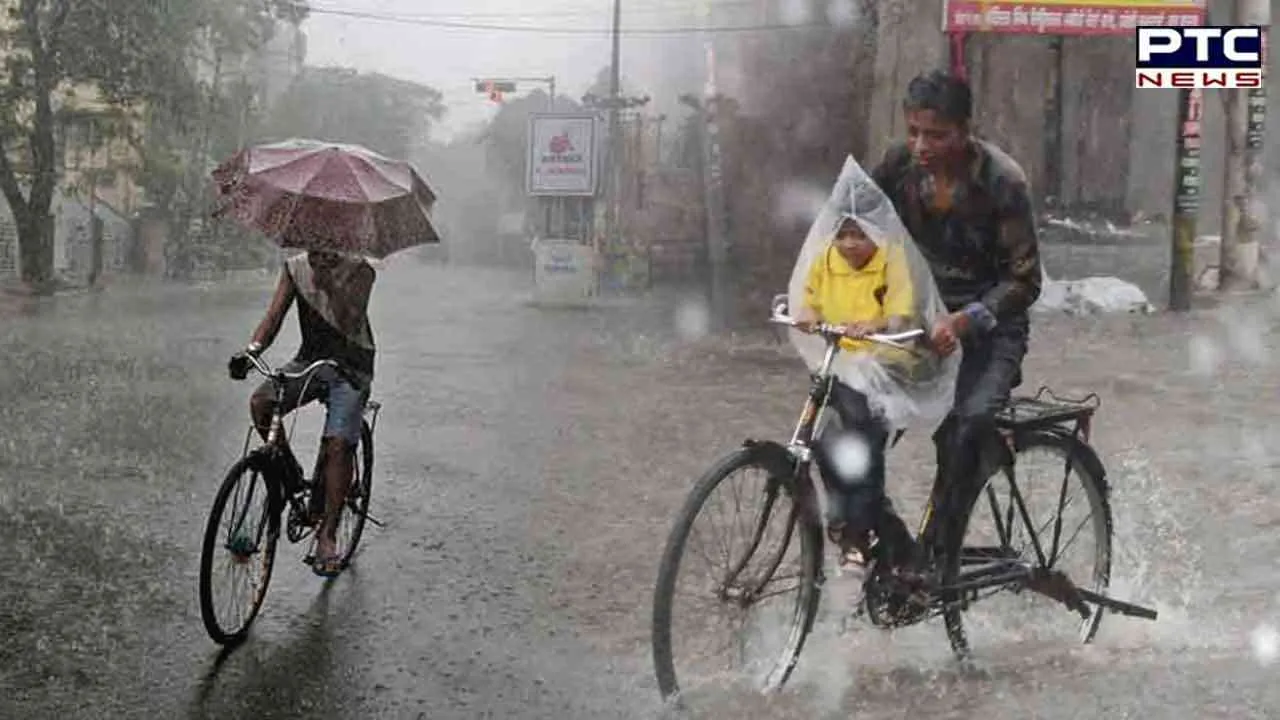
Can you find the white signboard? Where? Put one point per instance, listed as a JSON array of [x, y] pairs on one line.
[[564, 271], [562, 154]]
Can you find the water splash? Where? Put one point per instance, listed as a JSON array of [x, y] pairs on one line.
[[1155, 555]]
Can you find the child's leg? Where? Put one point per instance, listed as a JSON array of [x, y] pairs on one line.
[[852, 460]]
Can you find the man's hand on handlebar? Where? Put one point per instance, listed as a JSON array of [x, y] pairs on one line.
[[947, 332], [238, 365]]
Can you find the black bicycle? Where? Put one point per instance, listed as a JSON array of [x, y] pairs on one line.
[[995, 543], [245, 522]]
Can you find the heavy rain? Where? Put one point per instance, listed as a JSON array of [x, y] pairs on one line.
[[580, 219]]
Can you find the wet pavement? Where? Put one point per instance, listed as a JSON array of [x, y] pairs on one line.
[[120, 422], [529, 465]]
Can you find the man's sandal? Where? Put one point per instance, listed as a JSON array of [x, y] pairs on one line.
[[330, 566]]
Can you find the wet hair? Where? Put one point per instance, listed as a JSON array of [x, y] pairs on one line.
[[943, 93]]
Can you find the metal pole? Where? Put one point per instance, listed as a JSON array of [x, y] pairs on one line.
[[713, 178], [615, 146], [1186, 204], [1053, 155], [1245, 119]]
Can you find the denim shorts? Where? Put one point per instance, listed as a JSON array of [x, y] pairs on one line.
[[343, 401]]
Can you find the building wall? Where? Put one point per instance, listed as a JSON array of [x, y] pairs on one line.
[[909, 41], [1118, 144]]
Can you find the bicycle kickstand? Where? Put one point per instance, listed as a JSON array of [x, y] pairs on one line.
[[373, 519]]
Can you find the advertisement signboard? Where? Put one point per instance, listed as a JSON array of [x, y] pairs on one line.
[[564, 271], [562, 154], [1069, 17]]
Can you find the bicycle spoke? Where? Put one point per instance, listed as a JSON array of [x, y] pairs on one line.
[[724, 585], [1057, 525], [1038, 498], [1076, 534]]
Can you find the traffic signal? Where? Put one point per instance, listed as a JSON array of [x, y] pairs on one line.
[[495, 88]]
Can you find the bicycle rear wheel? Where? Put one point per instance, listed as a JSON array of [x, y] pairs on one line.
[[239, 551], [774, 559], [1024, 517], [356, 508]]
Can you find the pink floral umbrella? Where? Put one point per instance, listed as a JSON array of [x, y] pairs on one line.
[[315, 195]]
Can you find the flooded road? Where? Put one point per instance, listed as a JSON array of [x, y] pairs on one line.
[[529, 465]]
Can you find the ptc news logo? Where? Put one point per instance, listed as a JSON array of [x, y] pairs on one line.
[[1199, 57]]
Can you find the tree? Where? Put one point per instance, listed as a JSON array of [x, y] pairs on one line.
[[385, 114], [50, 47], [63, 57], [204, 113]]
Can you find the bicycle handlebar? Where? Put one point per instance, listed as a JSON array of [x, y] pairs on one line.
[[262, 367], [835, 332]]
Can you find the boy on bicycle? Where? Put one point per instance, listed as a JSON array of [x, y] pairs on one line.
[[864, 289], [332, 293]]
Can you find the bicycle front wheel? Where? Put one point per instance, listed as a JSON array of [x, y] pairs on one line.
[[743, 545], [239, 551], [1047, 513]]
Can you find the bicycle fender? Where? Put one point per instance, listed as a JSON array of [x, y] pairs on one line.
[[261, 458], [1080, 449], [772, 455]]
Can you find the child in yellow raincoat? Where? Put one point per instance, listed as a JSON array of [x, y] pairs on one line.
[[867, 289]]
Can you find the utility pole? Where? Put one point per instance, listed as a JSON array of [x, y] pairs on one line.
[[1245, 120], [713, 186], [1186, 204], [615, 145]]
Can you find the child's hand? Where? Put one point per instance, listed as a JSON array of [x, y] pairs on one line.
[[859, 329], [806, 319]]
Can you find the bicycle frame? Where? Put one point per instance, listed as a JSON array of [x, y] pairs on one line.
[[277, 449], [1003, 568]]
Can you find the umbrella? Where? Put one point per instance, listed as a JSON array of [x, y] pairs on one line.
[[315, 195]]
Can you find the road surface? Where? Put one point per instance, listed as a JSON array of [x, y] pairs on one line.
[[529, 465]]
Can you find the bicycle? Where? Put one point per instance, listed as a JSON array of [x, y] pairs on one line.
[[251, 537], [958, 576]]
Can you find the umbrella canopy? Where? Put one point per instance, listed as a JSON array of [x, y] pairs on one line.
[[315, 195]]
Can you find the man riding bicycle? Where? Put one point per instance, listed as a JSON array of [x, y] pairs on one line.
[[332, 292], [967, 206]]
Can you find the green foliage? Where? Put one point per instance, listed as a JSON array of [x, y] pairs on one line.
[[132, 55], [382, 113]]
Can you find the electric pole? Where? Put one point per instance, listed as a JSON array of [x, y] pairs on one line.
[[1246, 112], [615, 145], [721, 298], [1186, 202]]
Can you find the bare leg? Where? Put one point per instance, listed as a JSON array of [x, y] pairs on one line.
[[338, 468], [260, 409]]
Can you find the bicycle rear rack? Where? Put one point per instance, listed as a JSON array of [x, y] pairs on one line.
[[1047, 409]]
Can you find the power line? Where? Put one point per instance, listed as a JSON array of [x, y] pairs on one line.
[[584, 12], [497, 27]]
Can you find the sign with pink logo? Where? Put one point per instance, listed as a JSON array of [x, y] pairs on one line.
[[562, 154]]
